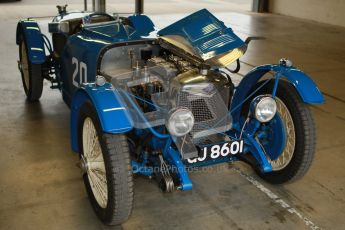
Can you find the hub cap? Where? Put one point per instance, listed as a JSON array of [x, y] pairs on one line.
[[92, 163]]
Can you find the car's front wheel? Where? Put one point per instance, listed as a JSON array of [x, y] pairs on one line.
[[289, 138], [106, 165], [31, 74]]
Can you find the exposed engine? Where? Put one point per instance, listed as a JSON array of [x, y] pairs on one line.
[[205, 92], [162, 81]]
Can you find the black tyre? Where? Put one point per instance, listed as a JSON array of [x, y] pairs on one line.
[[31, 74], [297, 151], [105, 161]]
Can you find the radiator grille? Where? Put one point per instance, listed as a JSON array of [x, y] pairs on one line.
[[209, 110], [201, 111]]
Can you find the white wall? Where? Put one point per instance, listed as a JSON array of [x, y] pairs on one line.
[[327, 11]]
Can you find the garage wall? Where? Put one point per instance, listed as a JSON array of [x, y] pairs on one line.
[[327, 11]]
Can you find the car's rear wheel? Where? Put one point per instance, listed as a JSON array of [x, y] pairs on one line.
[[289, 138], [31, 74], [106, 165]]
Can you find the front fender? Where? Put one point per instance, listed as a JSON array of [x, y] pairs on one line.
[[305, 86], [30, 31], [112, 114]]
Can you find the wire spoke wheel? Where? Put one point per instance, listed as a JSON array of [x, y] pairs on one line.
[[31, 73], [284, 159], [289, 138], [25, 65], [94, 163], [105, 161]]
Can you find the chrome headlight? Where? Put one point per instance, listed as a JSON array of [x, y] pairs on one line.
[[264, 108], [180, 121]]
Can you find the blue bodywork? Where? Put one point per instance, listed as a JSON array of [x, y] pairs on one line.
[[108, 105], [304, 85], [142, 24], [207, 35], [86, 46], [30, 31]]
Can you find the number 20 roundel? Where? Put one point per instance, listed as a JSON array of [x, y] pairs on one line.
[[80, 72]]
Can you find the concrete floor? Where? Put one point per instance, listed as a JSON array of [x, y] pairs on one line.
[[41, 188]]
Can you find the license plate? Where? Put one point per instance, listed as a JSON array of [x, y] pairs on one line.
[[217, 151]]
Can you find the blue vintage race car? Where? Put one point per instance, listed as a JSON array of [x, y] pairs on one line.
[[159, 103]]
